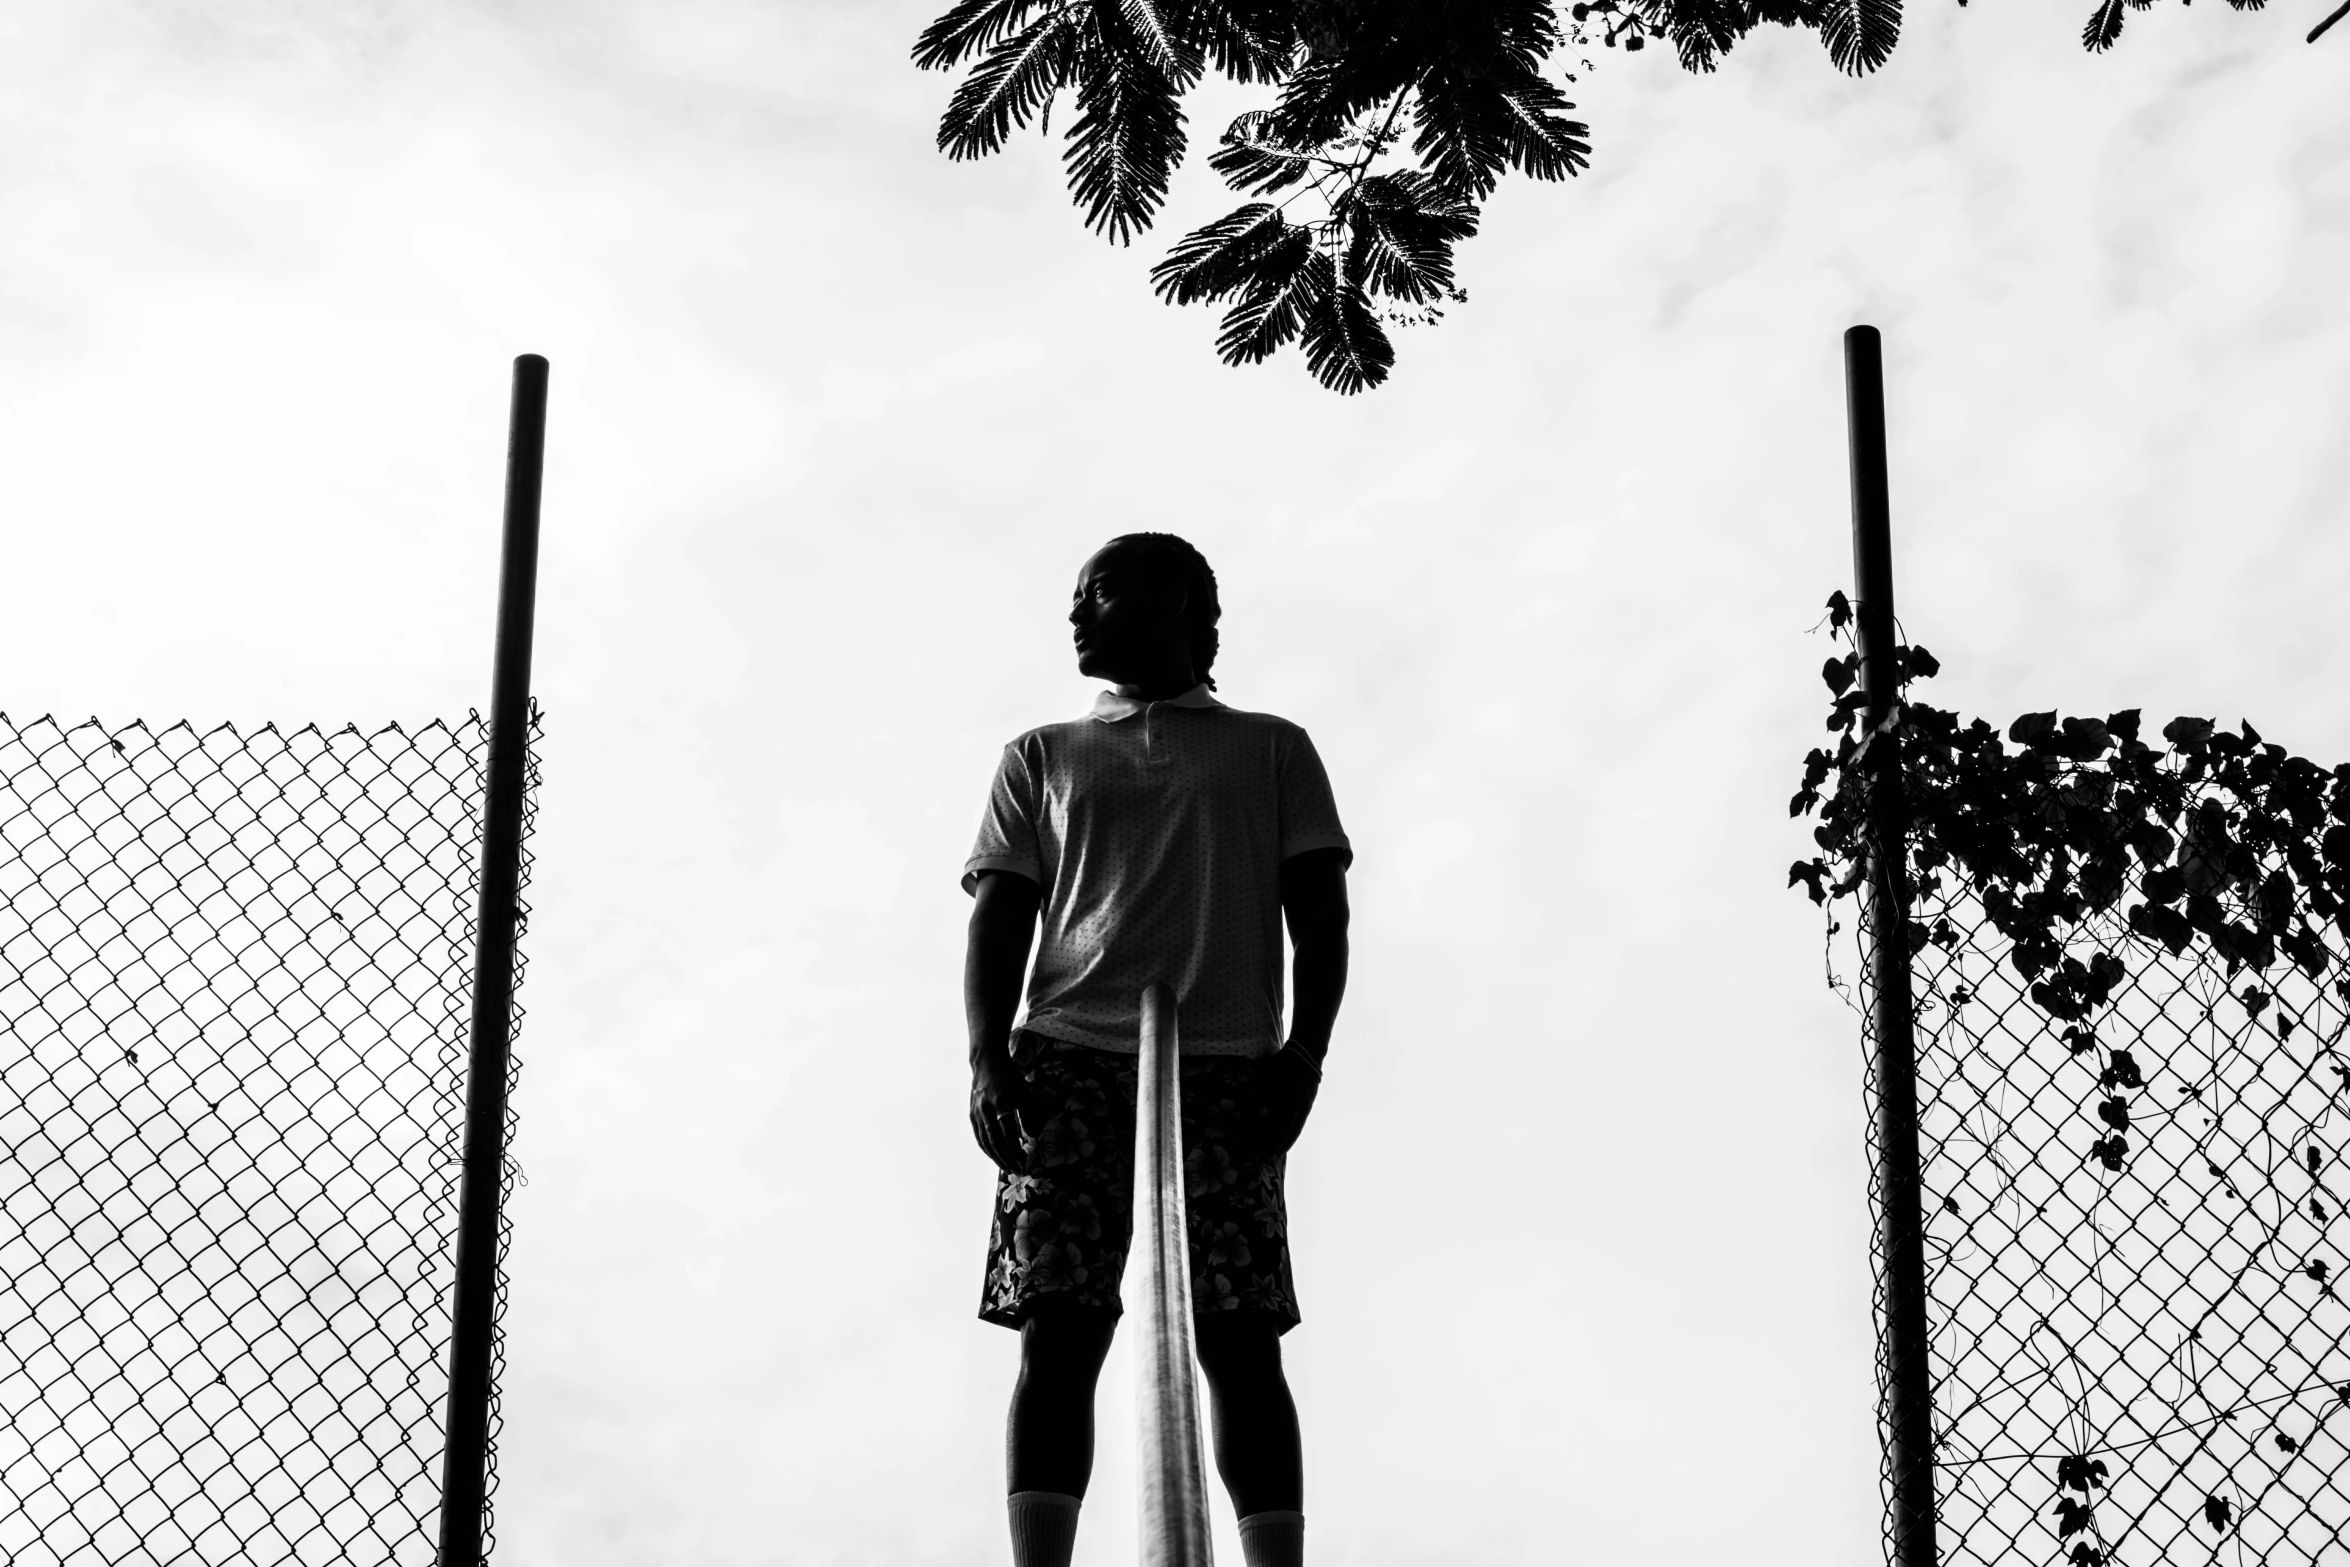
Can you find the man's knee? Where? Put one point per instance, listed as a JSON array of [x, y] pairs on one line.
[[1238, 1347], [1062, 1338]]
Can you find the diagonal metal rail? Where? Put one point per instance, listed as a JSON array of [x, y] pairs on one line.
[[1174, 1476]]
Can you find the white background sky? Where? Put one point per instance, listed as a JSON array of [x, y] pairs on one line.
[[1583, 1241]]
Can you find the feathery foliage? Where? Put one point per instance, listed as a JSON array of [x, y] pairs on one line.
[[1391, 123]]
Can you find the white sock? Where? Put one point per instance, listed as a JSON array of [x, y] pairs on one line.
[[1272, 1539], [1044, 1528]]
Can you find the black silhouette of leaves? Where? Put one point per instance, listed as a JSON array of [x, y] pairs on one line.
[[1860, 34], [1010, 86], [2229, 842], [1254, 158], [1391, 123], [1400, 230]]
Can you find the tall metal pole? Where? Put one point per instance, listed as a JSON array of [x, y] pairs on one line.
[[1905, 1385], [1173, 1481], [465, 1463]]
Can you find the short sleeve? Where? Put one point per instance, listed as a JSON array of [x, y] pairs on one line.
[[1309, 816], [1007, 831]]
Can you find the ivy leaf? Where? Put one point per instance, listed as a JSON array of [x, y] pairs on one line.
[[2085, 739], [1839, 612], [2188, 734], [2153, 844], [2079, 1472], [1809, 873], [1840, 673], [2032, 728], [2336, 846], [2215, 1512]]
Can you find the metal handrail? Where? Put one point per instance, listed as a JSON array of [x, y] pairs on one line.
[[1174, 1476]]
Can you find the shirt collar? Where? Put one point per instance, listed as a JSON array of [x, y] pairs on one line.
[[1110, 707]]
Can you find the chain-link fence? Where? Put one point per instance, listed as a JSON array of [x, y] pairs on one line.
[[235, 970], [2131, 977]]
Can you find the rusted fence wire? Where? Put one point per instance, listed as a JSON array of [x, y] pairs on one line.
[[235, 969]]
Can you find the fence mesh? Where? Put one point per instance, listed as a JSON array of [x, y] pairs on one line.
[[235, 974], [2130, 976]]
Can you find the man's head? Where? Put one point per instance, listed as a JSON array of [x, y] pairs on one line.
[[1144, 615]]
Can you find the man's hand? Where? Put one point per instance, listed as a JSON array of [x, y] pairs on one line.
[[1286, 1083], [998, 1096], [1003, 922]]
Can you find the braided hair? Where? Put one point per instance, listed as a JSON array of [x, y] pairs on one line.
[[1174, 562]]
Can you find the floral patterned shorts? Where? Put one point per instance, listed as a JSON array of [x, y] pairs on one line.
[[1063, 1223]]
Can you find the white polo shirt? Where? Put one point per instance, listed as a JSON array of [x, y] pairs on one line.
[[1156, 831]]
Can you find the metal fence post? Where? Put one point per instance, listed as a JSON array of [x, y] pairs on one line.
[[1906, 1411], [465, 1464], [1173, 1482]]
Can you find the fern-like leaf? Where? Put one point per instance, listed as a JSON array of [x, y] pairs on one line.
[[1458, 139], [1015, 81], [966, 29], [1702, 31], [1400, 230], [1253, 159], [1175, 54], [1541, 141], [1291, 282], [1346, 347], [1248, 40], [2105, 27], [1128, 136], [1221, 258], [1860, 34]]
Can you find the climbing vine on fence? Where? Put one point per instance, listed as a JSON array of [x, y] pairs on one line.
[[2234, 841], [2203, 869]]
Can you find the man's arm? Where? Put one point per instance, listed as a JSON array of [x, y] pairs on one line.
[[1313, 899], [995, 961]]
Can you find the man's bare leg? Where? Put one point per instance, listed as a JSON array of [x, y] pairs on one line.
[[1048, 1437], [1258, 1452]]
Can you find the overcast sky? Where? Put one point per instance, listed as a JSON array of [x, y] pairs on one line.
[[1582, 1237]]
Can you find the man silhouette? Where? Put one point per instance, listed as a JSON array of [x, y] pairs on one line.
[[1163, 837]]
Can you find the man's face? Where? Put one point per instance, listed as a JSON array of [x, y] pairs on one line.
[[1124, 621]]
